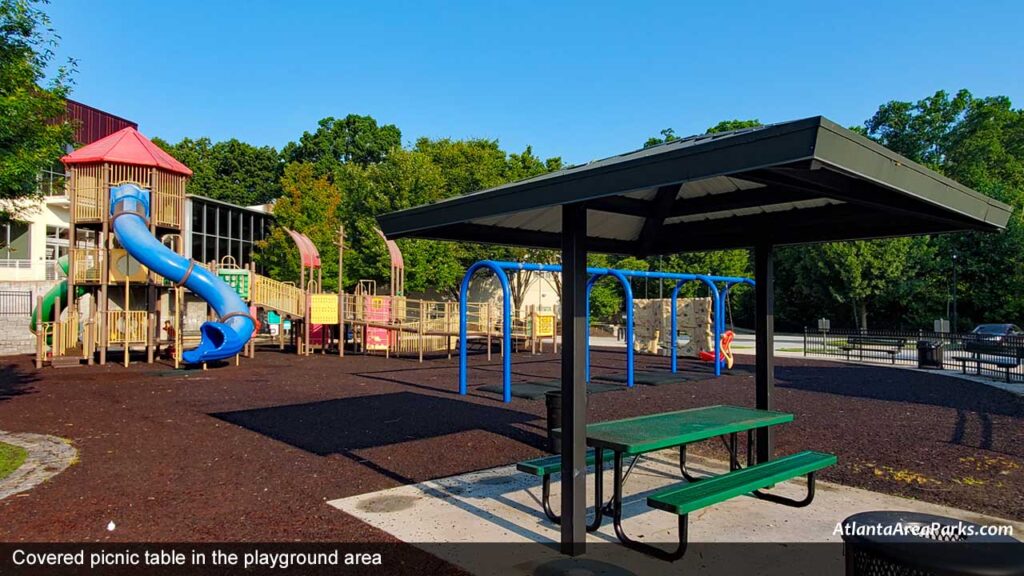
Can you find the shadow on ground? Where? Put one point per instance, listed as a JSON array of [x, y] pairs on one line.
[[15, 381], [352, 427]]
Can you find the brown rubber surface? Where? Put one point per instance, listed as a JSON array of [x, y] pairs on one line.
[[253, 453]]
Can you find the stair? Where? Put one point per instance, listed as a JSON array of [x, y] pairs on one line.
[[71, 358]]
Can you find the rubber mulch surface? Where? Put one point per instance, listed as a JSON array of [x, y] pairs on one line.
[[537, 390], [252, 453]]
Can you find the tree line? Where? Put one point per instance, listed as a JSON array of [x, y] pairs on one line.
[[348, 170]]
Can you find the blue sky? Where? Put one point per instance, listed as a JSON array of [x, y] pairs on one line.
[[582, 80]]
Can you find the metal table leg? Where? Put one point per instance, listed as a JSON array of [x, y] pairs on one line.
[[670, 555], [598, 495]]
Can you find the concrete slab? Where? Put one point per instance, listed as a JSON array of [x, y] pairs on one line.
[[501, 505]]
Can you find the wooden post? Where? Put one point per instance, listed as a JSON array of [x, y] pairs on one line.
[[533, 330], [422, 320], [448, 328], [280, 330], [152, 334], [127, 326], [56, 343], [487, 327], [341, 290], [307, 319], [103, 255], [176, 322], [40, 334]]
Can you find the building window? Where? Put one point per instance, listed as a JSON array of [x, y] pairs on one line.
[[15, 243], [219, 231], [198, 221], [197, 247], [52, 182]]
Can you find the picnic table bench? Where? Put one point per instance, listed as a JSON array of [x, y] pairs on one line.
[[890, 345], [992, 353], [643, 434]]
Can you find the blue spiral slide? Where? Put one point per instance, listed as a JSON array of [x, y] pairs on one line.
[[129, 211]]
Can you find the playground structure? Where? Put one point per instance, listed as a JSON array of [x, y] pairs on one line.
[[392, 323], [122, 296], [499, 269], [127, 274], [126, 262]]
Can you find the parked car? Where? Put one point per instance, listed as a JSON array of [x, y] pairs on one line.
[[995, 332]]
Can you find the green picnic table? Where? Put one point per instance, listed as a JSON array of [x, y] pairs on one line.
[[643, 434]]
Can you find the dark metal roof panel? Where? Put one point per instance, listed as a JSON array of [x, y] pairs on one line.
[[804, 181]]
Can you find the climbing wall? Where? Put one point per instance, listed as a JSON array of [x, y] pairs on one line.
[[652, 325]]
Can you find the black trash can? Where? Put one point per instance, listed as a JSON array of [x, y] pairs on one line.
[[553, 399], [909, 543], [929, 354]]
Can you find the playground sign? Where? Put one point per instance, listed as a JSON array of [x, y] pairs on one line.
[[238, 279], [323, 309], [544, 326]]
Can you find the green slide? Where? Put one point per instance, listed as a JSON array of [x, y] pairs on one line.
[[58, 291]]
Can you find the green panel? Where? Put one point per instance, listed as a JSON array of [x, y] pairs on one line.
[[686, 499], [237, 279], [552, 464], [658, 431]]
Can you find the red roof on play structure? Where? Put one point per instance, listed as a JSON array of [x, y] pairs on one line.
[[126, 146]]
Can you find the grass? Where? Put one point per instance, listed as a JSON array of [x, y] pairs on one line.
[[11, 458]]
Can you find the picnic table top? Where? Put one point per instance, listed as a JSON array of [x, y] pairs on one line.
[[656, 431]]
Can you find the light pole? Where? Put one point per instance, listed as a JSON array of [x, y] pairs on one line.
[[953, 325]]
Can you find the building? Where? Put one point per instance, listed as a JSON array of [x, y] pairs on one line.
[[215, 229]]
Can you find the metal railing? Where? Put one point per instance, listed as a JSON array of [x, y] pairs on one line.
[[996, 357], [15, 303], [16, 264]]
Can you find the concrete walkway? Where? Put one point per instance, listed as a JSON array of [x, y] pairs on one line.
[[502, 505], [47, 457]]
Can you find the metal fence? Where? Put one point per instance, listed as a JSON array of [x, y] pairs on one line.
[[996, 357], [15, 303]]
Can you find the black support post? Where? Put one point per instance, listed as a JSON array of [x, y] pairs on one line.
[[764, 289], [574, 388]]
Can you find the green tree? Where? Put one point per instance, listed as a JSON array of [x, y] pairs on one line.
[[32, 137], [232, 171], [667, 135], [354, 138], [730, 125], [978, 142], [309, 204]]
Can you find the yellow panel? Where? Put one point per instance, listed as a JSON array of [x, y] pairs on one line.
[[545, 325], [122, 265], [324, 309]]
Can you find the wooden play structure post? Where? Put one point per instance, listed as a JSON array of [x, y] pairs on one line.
[[40, 333], [487, 328], [341, 290], [55, 343]]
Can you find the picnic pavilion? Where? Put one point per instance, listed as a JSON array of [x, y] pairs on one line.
[[798, 182]]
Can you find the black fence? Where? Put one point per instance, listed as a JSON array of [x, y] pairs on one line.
[[994, 356], [15, 303]]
